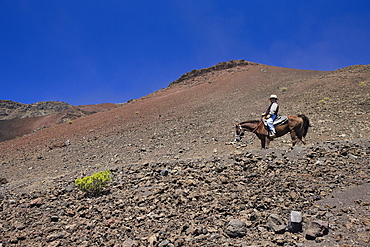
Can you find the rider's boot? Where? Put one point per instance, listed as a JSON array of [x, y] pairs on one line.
[[272, 134]]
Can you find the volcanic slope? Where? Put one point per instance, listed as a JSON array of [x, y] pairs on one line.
[[196, 117], [188, 122], [22, 119]]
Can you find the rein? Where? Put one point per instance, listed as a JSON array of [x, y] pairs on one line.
[[253, 136], [256, 127]]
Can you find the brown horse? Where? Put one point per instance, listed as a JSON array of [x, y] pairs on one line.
[[297, 126]]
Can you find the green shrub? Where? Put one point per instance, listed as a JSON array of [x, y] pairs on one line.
[[283, 89], [93, 184], [362, 83]]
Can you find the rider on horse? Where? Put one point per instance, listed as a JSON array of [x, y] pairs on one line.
[[270, 115]]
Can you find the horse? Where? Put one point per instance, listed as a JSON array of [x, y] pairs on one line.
[[297, 126]]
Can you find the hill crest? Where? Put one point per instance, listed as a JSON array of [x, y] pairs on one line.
[[13, 110]]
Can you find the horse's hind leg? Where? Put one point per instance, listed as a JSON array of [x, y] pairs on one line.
[[293, 135], [301, 137]]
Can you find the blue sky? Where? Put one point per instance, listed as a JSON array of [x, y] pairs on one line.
[[95, 51]]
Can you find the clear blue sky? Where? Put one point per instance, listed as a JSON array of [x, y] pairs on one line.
[[98, 51]]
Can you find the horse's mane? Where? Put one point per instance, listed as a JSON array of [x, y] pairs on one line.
[[250, 121]]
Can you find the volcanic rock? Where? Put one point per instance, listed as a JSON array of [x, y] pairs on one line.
[[317, 228], [276, 223], [236, 228]]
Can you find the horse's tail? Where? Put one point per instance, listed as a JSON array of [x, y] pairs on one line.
[[306, 124]]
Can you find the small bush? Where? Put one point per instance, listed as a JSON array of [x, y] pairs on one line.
[[326, 98], [283, 89], [93, 184], [322, 101], [362, 83]]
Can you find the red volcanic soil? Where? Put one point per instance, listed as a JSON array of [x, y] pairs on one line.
[[189, 127]]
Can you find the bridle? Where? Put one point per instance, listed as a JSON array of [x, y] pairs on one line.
[[238, 137]]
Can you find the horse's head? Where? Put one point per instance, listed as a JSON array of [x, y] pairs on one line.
[[239, 132]]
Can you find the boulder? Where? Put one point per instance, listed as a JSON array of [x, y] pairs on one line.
[[276, 224], [236, 228], [317, 228]]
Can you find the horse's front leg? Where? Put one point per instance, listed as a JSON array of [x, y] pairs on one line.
[[267, 140], [263, 141]]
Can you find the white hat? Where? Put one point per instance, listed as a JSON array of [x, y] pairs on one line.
[[273, 96]]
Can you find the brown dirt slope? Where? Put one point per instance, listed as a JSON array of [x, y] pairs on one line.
[[189, 128]]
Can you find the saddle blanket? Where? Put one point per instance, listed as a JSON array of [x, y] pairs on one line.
[[280, 120]]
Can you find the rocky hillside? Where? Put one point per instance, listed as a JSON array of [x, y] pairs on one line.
[[241, 199], [180, 180], [19, 119]]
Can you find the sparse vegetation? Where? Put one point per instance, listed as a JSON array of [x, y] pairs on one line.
[[93, 185], [362, 83], [283, 89], [323, 101]]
